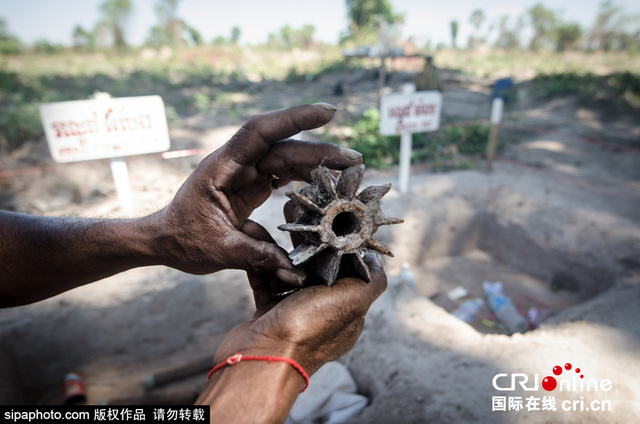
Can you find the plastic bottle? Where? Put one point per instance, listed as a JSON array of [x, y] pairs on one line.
[[467, 311], [74, 391], [407, 278], [504, 309]]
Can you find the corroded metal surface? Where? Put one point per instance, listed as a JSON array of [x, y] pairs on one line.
[[337, 223]]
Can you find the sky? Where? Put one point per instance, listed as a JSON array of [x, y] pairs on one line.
[[31, 20]]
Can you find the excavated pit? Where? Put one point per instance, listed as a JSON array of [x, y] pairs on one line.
[[554, 247], [540, 283], [548, 258]]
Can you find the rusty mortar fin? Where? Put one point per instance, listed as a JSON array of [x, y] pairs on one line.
[[337, 223]]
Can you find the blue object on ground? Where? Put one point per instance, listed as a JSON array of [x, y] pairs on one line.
[[502, 88]]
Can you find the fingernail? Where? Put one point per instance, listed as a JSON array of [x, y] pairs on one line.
[[326, 106], [350, 153], [290, 277]]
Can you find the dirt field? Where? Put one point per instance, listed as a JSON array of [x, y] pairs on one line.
[[558, 222]]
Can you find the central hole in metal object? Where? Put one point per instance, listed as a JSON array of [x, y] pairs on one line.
[[345, 223]]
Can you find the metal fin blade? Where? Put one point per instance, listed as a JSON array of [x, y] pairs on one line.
[[304, 252], [358, 264], [373, 193], [326, 180], [298, 228], [350, 181], [305, 202], [325, 266], [374, 245], [389, 221]]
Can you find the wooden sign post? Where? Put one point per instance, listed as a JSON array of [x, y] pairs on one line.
[[407, 113], [106, 127]]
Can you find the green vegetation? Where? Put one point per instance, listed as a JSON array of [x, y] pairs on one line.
[[173, 31], [454, 33], [9, 44], [19, 122], [288, 38], [467, 140], [620, 89], [194, 80], [442, 147], [365, 17], [599, 64], [21, 95], [527, 64], [114, 17], [544, 23], [568, 36], [378, 151], [613, 30], [445, 146]]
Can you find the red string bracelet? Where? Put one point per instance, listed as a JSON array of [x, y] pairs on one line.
[[234, 359]]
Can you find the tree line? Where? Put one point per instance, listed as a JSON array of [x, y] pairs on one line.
[[170, 30], [539, 27], [613, 30]]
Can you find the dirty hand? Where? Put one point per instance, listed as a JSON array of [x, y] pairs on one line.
[[312, 326], [201, 225]]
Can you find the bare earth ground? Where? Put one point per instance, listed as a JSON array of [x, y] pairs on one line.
[[557, 208]]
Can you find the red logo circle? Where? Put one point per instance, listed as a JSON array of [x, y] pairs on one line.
[[549, 383]]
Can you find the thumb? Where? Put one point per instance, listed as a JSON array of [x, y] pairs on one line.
[[259, 254]]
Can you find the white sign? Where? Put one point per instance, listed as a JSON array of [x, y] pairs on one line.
[[410, 113], [105, 128]]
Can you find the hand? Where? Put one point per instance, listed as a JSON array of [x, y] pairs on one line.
[[201, 225], [313, 326]]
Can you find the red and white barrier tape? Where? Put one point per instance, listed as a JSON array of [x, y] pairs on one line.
[[164, 155]]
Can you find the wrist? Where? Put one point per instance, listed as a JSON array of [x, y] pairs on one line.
[[251, 339], [132, 240], [252, 391], [162, 237], [238, 357], [178, 244]]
